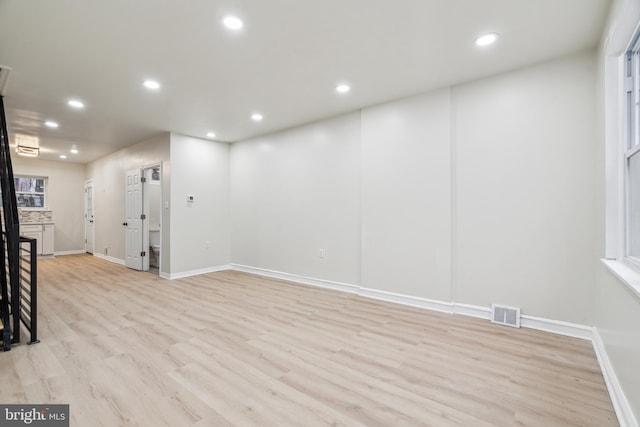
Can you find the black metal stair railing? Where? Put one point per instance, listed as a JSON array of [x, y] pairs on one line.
[[28, 287], [5, 327], [10, 243]]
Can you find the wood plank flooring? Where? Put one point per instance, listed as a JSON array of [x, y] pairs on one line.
[[127, 348]]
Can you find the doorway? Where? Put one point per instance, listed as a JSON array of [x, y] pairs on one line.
[[152, 208], [143, 219], [89, 236]]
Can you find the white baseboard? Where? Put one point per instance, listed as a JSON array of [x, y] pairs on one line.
[[170, 276], [428, 304], [618, 398], [345, 287], [557, 327], [472, 310], [190, 273], [620, 403], [109, 258], [76, 252], [539, 323]]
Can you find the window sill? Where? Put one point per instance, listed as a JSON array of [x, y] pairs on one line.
[[626, 274]]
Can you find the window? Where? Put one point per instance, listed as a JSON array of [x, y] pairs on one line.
[[632, 154], [31, 191]]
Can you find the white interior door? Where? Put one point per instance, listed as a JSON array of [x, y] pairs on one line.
[[133, 221], [88, 217]]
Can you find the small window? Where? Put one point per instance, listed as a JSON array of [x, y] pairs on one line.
[[632, 154], [31, 192]]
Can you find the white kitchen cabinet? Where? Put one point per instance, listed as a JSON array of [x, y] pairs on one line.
[[47, 239], [43, 233]]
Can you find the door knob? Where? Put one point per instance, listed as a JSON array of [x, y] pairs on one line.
[[125, 224]]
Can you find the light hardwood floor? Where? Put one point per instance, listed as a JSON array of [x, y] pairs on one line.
[[127, 348]]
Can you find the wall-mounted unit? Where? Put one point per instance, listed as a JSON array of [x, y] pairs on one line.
[[27, 146]]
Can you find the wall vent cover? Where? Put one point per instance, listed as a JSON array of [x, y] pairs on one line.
[[509, 316]]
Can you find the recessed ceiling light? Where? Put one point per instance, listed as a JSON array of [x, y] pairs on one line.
[[51, 124], [343, 88], [74, 151], [62, 156], [487, 39], [233, 22], [211, 135], [256, 117], [151, 84], [75, 103]]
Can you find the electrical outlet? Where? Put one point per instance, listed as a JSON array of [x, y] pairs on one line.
[[207, 244], [321, 253]]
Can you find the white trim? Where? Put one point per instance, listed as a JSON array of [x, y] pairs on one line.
[[472, 310], [146, 208], [183, 274], [532, 322], [618, 398], [429, 304], [612, 128], [45, 202], [74, 252], [109, 258], [620, 403], [632, 152], [296, 278], [89, 183], [574, 330], [627, 275], [557, 327]]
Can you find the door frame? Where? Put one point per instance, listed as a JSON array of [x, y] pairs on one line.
[[141, 263], [89, 183], [145, 210]]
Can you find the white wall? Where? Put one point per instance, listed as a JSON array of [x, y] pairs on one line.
[[525, 190], [481, 193], [109, 174], [202, 169], [406, 196], [199, 168], [486, 192], [65, 197], [296, 192]]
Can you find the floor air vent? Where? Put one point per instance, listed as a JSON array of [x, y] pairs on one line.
[[509, 316]]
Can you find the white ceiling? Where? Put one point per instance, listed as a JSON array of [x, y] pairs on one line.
[[285, 63]]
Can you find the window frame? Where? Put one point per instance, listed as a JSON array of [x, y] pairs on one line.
[[631, 141], [45, 184]]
